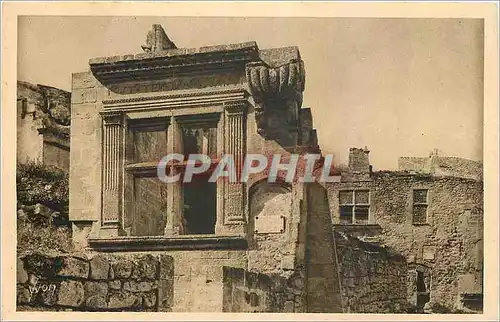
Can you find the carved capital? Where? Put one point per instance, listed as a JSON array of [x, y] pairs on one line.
[[112, 118], [236, 108]]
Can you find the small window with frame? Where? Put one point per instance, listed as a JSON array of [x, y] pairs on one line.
[[354, 207], [420, 205]]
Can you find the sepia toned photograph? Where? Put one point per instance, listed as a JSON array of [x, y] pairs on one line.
[[240, 164]]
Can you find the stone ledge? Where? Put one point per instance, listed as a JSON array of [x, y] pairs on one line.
[[152, 243]]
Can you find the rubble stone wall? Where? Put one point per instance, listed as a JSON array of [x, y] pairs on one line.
[[373, 280], [250, 292], [102, 283], [450, 243]]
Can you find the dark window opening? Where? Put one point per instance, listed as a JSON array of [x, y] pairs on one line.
[[423, 295], [421, 282], [200, 206], [201, 140], [419, 206], [473, 301], [346, 214]]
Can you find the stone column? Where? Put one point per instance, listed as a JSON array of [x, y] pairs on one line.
[[175, 224], [112, 174], [234, 195]]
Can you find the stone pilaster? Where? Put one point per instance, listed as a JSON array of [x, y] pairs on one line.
[[112, 173], [174, 214], [234, 192]]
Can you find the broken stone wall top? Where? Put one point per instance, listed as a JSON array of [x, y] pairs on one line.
[[442, 166]]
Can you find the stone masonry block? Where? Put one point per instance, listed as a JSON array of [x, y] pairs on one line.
[[96, 288], [22, 276], [99, 268], [84, 95], [83, 80], [71, 293], [123, 300], [123, 269], [73, 267], [145, 268]]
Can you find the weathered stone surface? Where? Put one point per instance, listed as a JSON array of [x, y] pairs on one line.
[[149, 299], [145, 267], [122, 300], [96, 302], [99, 268], [71, 293], [40, 265], [83, 95], [123, 269], [22, 276], [23, 295], [133, 286], [73, 267], [165, 294], [115, 284], [96, 288], [166, 267], [48, 294]]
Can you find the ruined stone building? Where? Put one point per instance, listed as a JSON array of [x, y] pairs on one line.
[[43, 122], [430, 211], [368, 242]]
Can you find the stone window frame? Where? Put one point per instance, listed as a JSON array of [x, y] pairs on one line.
[[425, 204], [171, 123], [353, 205], [231, 214]]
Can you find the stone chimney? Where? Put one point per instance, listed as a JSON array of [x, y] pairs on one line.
[[157, 40], [359, 160]]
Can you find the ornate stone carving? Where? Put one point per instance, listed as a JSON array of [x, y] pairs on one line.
[[277, 91]]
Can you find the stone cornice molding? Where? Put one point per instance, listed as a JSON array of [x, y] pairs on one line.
[[151, 243], [174, 62], [193, 99]]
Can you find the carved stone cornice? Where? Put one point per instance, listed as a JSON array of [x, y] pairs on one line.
[[276, 90], [174, 63]]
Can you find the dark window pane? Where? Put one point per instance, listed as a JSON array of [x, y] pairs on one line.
[[420, 196], [200, 140], [150, 146], [150, 199], [361, 214], [200, 206], [362, 196], [419, 214], [345, 197], [346, 214]]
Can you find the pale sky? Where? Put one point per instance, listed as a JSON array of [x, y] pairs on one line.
[[401, 87]]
